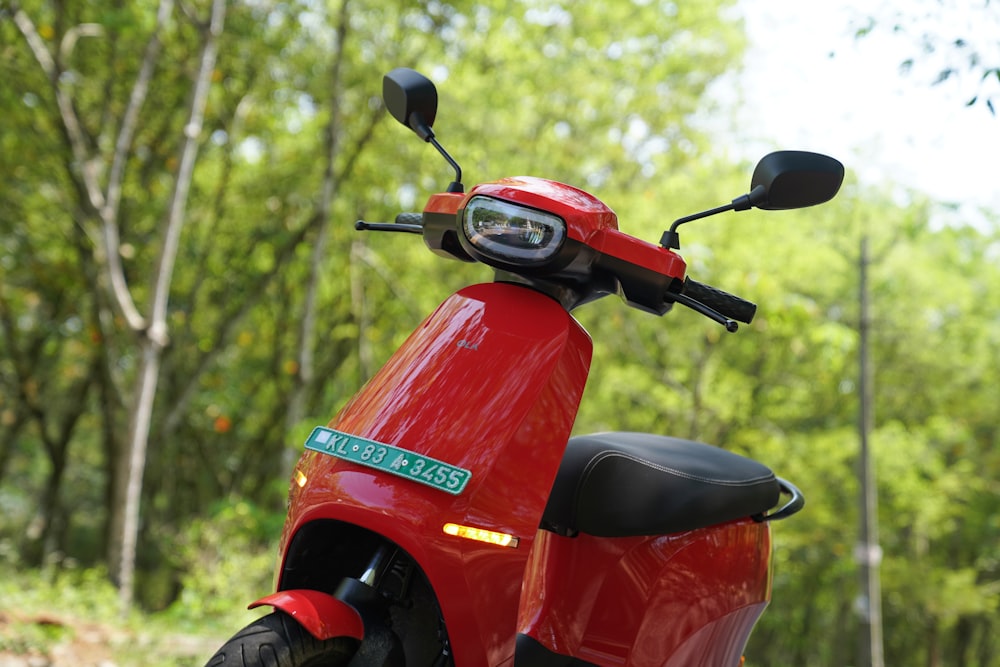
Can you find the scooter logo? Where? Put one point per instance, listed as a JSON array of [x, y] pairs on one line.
[[390, 459], [467, 345]]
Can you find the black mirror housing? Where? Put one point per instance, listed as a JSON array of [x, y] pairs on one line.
[[795, 179], [411, 98]]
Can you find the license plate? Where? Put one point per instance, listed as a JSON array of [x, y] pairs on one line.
[[390, 459]]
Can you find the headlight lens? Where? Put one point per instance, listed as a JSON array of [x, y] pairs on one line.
[[512, 233]]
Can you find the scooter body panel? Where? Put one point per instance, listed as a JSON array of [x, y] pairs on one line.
[[489, 383], [645, 601]]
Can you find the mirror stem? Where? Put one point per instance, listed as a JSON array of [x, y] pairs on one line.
[[456, 185], [755, 197], [671, 239]]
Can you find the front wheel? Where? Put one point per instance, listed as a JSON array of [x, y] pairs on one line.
[[277, 640]]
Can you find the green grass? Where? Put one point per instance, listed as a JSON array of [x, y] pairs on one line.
[[206, 574], [71, 617]]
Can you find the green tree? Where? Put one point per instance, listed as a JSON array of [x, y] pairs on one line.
[[97, 174], [948, 40], [264, 308]]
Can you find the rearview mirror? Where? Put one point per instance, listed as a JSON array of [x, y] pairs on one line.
[[794, 179], [781, 180], [412, 99]]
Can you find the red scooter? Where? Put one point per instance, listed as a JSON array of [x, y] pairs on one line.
[[446, 517]]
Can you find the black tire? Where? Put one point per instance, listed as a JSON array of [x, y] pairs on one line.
[[277, 640]]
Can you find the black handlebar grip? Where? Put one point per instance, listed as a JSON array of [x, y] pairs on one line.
[[726, 304], [410, 219]]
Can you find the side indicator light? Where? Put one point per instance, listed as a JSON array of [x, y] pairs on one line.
[[481, 535], [300, 478]]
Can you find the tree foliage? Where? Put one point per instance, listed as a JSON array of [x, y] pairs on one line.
[[947, 41], [278, 310]]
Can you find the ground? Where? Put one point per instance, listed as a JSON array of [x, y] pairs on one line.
[[57, 640]]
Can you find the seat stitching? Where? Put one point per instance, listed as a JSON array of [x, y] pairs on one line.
[[679, 473]]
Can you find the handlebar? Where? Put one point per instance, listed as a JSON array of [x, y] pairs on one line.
[[714, 303], [724, 303], [416, 219], [411, 223]]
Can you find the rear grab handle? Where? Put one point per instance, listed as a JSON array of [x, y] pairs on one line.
[[795, 503]]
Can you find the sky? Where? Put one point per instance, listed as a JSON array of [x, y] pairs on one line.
[[810, 84]]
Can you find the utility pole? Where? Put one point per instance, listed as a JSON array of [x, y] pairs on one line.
[[868, 552]]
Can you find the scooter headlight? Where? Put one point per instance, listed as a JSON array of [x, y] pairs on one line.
[[512, 233]]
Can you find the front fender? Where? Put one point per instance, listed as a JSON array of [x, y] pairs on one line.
[[322, 615]]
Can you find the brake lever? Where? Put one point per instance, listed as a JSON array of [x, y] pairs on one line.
[[363, 226], [731, 325]]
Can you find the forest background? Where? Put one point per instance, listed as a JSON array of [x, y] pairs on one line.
[[182, 293]]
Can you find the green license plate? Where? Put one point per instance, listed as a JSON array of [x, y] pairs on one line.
[[389, 459]]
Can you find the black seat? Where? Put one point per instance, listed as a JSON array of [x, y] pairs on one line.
[[622, 484]]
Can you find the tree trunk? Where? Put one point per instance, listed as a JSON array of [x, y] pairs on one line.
[[39, 535], [304, 374], [933, 645], [142, 414], [155, 338], [841, 635], [17, 419]]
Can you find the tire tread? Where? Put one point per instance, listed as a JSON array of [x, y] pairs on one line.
[[277, 640]]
